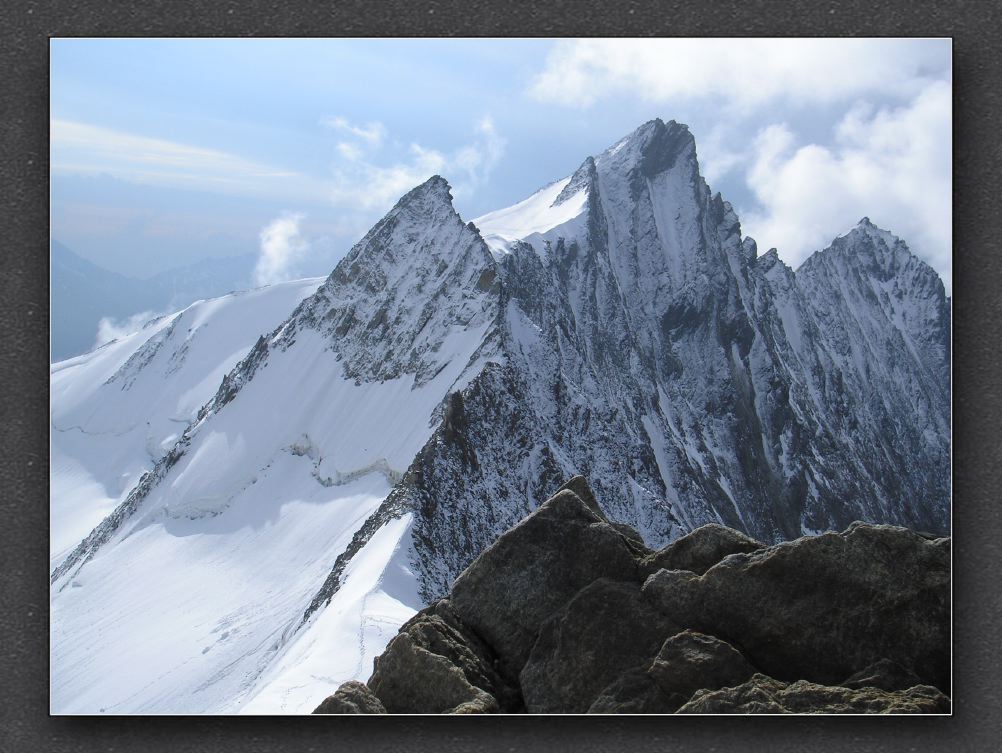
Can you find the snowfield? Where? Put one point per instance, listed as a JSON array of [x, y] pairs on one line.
[[116, 410], [538, 219]]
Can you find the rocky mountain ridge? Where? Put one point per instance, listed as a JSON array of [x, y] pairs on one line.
[[694, 381], [560, 615]]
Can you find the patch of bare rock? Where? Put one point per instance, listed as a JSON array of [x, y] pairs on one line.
[[568, 612]]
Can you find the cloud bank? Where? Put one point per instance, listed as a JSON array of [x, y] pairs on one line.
[[891, 164], [742, 72]]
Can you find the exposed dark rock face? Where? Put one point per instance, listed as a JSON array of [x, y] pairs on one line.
[[556, 617], [585, 645], [700, 550], [633, 692], [823, 608], [453, 522], [687, 662], [884, 674], [764, 695], [534, 569], [579, 485], [351, 698], [690, 661], [455, 668]]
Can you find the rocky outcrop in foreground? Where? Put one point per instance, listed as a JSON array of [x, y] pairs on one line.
[[569, 613]]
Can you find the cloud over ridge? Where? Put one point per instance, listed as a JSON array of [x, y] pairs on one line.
[[282, 248]]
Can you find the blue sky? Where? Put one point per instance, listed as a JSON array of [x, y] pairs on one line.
[[167, 151]]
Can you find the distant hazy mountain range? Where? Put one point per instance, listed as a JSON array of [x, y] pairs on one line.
[[83, 293]]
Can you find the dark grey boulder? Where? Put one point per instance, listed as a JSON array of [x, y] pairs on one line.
[[633, 538], [687, 662], [765, 695], [690, 661], [633, 692], [583, 647], [823, 608], [700, 550], [579, 485], [533, 570], [884, 674], [351, 698], [436, 665]]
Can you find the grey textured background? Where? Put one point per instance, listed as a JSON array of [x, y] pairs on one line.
[[25, 29]]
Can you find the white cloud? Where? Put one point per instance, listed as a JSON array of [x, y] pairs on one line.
[[372, 133], [890, 164], [282, 246], [364, 185], [740, 72], [109, 329], [84, 148], [361, 183], [475, 163]]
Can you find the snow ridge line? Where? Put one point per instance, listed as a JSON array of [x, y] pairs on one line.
[[393, 507], [102, 533]]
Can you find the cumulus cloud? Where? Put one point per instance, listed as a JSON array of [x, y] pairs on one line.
[[362, 182], [109, 329], [892, 164], [282, 247], [741, 72]]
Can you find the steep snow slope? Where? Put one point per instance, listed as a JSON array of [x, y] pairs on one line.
[[241, 521], [183, 615], [118, 409], [551, 212]]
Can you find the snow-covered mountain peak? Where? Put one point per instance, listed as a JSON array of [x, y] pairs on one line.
[[774, 268], [433, 195], [873, 252], [652, 148], [657, 157], [417, 276], [416, 224], [867, 229]]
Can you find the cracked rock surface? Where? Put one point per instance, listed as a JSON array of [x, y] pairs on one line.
[[559, 616]]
